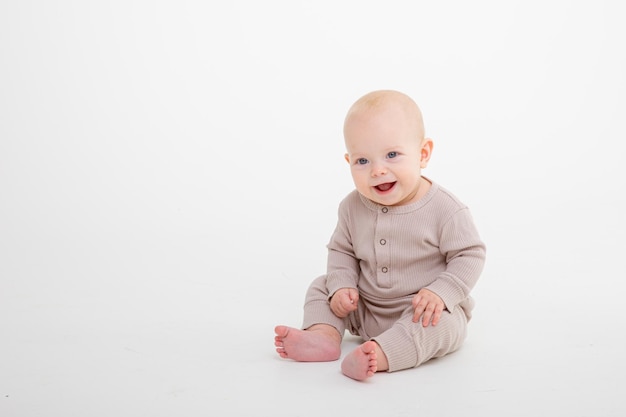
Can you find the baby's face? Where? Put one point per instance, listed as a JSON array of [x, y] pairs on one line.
[[386, 155]]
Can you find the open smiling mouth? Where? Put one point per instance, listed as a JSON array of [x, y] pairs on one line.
[[385, 187]]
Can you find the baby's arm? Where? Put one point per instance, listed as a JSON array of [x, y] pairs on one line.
[[465, 257], [342, 264], [344, 301]]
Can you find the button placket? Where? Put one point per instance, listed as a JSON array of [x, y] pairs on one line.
[[382, 247]]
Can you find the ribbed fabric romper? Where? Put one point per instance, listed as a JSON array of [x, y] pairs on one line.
[[389, 253]]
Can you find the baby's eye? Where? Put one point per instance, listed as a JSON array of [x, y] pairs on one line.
[[392, 154], [361, 161]]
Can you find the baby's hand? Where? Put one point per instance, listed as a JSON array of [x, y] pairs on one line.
[[344, 301], [428, 306]]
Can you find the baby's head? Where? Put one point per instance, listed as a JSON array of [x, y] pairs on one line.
[[399, 104], [386, 147]]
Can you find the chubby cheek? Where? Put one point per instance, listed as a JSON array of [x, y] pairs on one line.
[[360, 181]]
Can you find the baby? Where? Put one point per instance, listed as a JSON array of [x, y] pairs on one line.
[[402, 260]]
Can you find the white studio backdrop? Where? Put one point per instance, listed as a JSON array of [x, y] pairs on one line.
[[182, 161]]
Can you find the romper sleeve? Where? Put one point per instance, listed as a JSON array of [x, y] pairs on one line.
[[465, 253], [342, 264]]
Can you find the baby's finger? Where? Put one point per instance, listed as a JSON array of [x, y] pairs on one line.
[[428, 314], [416, 301], [354, 297], [417, 314], [347, 304], [437, 314], [351, 307]]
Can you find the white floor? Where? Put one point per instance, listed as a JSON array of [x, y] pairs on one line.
[[140, 331]]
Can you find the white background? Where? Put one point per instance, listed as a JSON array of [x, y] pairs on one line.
[[170, 173]]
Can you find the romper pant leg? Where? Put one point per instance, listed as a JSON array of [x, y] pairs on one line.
[[407, 344], [317, 307]]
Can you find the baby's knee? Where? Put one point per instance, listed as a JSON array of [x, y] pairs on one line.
[[317, 289]]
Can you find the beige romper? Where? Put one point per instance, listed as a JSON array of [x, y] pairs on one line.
[[389, 254]]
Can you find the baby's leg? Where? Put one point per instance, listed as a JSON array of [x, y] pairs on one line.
[[407, 344], [364, 361], [319, 343]]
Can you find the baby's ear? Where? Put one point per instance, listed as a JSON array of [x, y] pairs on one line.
[[347, 158], [425, 152]]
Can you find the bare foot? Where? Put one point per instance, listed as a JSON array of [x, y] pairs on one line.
[[317, 344], [362, 362]]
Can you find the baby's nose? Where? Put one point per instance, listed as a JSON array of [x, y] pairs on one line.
[[378, 170]]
